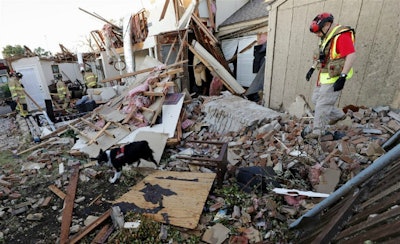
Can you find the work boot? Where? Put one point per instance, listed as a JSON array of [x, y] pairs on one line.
[[334, 121], [345, 122], [307, 130]]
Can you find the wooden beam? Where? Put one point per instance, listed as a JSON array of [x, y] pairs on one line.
[[128, 75], [206, 31], [80, 133], [182, 42], [153, 93], [90, 227], [164, 10], [97, 127], [209, 66], [103, 234], [157, 111], [213, 64], [171, 72], [103, 130], [69, 206], [57, 191], [210, 14], [170, 50], [63, 128], [332, 227], [37, 146], [176, 8], [140, 72]]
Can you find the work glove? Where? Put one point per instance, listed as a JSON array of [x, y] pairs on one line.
[[309, 73], [339, 84]]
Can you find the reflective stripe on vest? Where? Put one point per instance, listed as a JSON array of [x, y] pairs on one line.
[[90, 80], [324, 77]]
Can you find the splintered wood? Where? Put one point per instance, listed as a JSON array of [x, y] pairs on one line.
[[183, 206]]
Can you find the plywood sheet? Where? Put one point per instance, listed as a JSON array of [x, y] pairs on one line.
[[183, 206]]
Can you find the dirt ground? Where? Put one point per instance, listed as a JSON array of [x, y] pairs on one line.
[[24, 218], [17, 228], [41, 224]]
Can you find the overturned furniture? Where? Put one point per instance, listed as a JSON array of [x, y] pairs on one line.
[[220, 163]]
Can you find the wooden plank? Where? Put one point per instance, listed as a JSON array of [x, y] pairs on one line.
[[171, 72], [57, 191], [164, 10], [63, 128], [103, 130], [210, 14], [381, 195], [176, 10], [69, 206], [381, 207], [118, 78], [90, 227], [170, 50], [80, 133], [97, 127], [103, 234], [374, 235], [181, 46], [185, 207], [370, 222], [206, 31], [37, 146], [158, 110], [153, 93], [332, 227], [213, 65]]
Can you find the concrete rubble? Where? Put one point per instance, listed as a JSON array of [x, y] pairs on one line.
[[258, 138]]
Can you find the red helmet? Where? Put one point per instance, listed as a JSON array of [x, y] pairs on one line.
[[319, 21]]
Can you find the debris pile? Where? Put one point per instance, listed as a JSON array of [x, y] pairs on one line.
[[273, 176]]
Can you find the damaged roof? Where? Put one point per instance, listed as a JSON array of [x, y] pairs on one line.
[[254, 9]]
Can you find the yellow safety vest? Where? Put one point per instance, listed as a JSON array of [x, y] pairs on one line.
[[331, 54], [90, 79], [61, 91], [16, 90]]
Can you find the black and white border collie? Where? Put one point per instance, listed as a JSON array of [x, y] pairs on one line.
[[125, 155]]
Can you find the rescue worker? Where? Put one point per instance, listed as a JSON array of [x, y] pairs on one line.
[[18, 93], [63, 92], [334, 61], [90, 79]]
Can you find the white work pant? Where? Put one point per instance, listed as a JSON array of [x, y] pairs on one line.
[[324, 99]]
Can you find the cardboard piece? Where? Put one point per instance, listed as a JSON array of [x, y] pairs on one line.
[[216, 234], [184, 206], [328, 180]]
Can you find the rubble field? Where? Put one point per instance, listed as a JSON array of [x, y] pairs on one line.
[[33, 185]]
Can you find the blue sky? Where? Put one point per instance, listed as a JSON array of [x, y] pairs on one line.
[[48, 23]]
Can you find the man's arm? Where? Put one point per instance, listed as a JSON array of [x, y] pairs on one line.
[[349, 61]]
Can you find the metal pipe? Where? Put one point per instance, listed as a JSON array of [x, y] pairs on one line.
[[364, 175], [391, 142]]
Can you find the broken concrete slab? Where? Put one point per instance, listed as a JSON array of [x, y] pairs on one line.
[[300, 107], [228, 113]]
